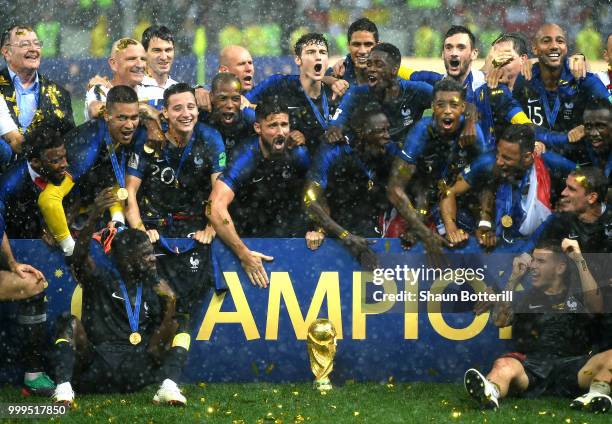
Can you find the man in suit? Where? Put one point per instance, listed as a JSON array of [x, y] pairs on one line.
[[32, 99]]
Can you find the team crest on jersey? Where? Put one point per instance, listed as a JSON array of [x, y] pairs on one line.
[[134, 161], [572, 304], [195, 262], [407, 114]]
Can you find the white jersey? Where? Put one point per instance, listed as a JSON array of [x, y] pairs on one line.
[[152, 93], [148, 91], [6, 120], [604, 77]]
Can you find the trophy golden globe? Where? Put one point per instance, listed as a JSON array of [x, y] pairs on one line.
[[321, 351]]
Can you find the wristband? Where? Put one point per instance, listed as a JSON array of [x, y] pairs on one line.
[[485, 224]]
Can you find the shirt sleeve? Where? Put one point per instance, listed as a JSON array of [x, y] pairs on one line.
[[506, 108], [215, 149], [240, 168], [594, 88], [301, 159], [404, 72], [557, 164], [479, 170], [344, 111], [94, 94], [264, 88], [138, 160], [10, 184], [482, 143], [6, 120], [551, 138], [427, 77], [82, 147], [325, 158], [415, 142]]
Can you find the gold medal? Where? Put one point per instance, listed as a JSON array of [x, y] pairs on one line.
[[506, 221], [135, 338], [148, 149], [122, 193]]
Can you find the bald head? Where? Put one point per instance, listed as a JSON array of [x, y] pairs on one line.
[[238, 61], [550, 45]]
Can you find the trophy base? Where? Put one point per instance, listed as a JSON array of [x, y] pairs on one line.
[[323, 385]]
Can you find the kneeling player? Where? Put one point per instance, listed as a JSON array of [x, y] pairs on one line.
[[122, 343], [550, 326]]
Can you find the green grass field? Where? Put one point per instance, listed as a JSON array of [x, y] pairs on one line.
[[300, 403]]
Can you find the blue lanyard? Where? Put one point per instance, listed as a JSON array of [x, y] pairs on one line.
[[321, 119], [505, 204], [118, 170], [184, 155], [369, 173], [133, 314], [551, 116]]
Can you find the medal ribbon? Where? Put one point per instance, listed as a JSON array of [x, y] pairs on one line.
[[321, 119], [133, 315], [184, 155], [504, 205], [551, 116], [118, 169]]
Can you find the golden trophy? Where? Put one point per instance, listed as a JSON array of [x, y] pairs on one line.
[[321, 351]]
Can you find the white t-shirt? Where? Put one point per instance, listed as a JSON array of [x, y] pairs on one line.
[[153, 93], [6, 120], [148, 91]]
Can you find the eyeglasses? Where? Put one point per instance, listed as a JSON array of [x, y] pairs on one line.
[[37, 44]]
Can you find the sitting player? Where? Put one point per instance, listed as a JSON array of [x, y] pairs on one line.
[[127, 322], [550, 329]]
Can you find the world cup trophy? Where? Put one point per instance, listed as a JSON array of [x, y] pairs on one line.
[[321, 351]]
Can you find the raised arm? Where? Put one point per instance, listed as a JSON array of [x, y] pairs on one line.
[[503, 312], [593, 298], [81, 261]]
